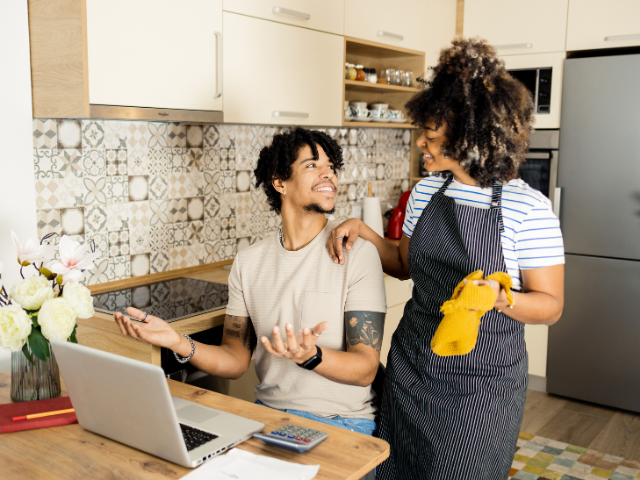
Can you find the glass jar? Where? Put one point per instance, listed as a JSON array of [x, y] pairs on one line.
[[360, 73], [407, 79], [346, 71], [373, 76], [352, 72], [34, 381]]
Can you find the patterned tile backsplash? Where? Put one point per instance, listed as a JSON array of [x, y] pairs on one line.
[[159, 196]]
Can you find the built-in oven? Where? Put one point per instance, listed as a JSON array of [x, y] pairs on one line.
[[540, 170]]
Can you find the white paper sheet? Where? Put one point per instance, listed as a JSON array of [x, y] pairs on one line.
[[242, 465]]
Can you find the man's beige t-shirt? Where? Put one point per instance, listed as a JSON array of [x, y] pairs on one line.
[[274, 286]]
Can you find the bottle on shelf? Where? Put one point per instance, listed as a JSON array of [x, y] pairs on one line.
[[360, 73], [352, 72]]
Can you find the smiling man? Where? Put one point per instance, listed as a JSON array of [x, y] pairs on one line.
[[316, 327]]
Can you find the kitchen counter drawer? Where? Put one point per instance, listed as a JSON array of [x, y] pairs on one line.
[[326, 16]]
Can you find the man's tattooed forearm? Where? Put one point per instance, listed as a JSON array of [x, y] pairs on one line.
[[365, 328], [241, 327]]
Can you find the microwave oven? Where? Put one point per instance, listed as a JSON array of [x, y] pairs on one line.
[[538, 82]]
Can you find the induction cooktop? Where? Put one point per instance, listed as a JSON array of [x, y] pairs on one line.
[[169, 300]]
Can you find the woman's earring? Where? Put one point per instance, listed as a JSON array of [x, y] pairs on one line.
[[446, 157], [284, 193]]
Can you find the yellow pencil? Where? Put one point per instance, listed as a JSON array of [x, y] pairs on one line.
[[43, 414]]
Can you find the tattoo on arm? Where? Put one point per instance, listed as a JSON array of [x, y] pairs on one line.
[[366, 328], [242, 328]]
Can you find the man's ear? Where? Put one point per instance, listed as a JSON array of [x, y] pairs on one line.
[[278, 185]]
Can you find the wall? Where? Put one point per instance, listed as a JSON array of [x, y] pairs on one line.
[[156, 196], [17, 199]]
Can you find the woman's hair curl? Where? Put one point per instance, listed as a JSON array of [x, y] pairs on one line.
[[489, 113], [276, 159]]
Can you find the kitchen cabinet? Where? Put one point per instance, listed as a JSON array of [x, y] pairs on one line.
[[401, 23], [398, 294], [280, 74], [326, 16], [126, 59], [440, 32], [518, 26], [596, 24], [159, 54]]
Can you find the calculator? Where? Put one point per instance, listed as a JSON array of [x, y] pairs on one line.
[[293, 437]]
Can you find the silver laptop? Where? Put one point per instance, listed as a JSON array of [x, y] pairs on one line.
[[129, 401]]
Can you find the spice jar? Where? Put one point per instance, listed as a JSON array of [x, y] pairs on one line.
[[360, 73], [352, 72], [373, 76]]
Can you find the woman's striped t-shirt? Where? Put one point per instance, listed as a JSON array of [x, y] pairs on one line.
[[532, 236]]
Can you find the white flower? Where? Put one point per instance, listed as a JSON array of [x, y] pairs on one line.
[[57, 319], [32, 292], [73, 260], [15, 327], [32, 251], [79, 298]]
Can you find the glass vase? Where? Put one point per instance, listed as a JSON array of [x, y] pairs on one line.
[[34, 381]]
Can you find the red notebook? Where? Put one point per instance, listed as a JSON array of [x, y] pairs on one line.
[[10, 410]]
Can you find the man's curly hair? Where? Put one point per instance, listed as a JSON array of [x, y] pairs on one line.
[[489, 113], [275, 160]]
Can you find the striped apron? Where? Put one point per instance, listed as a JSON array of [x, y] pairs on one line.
[[453, 418]]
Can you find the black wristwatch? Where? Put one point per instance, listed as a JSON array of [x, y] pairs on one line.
[[314, 361]]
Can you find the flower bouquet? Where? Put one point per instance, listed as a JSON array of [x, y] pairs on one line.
[[41, 307]]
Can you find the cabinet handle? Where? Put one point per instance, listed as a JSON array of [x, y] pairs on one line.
[[382, 33], [514, 45], [279, 113], [219, 64], [293, 13], [616, 38]]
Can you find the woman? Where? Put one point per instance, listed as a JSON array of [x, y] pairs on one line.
[[458, 417]]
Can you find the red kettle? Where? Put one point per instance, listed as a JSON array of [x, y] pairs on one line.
[[394, 229]]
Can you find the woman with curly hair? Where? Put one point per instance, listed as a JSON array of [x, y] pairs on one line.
[[458, 417]]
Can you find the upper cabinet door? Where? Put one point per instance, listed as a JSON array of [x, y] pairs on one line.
[[518, 26], [599, 24], [401, 23], [325, 15], [279, 74], [155, 53]]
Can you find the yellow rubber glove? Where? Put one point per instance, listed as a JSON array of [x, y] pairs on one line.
[[457, 334]]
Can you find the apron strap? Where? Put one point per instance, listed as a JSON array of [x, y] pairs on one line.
[[496, 203], [446, 184]]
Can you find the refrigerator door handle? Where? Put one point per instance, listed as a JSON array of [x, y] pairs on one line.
[[557, 195]]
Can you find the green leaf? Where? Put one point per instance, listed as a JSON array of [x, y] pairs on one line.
[[27, 354], [39, 345], [73, 338], [34, 320]]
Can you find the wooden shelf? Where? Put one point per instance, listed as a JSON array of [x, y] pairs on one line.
[[377, 87], [406, 124]]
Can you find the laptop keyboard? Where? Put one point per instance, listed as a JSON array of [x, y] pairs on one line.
[[194, 438]]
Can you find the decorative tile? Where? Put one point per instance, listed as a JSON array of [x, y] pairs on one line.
[[195, 208], [243, 204], [139, 214], [100, 272], [219, 250], [179, 234], [177, 210], [72, 220], [211, 159], [117, 189], [94, 162], [119, 267], [196, 183], [388, 171], [227, 158], [116, 161], [178, 160], [380, 171], [195, 232], [160, 237], [47, 193], [45, 163], [243, 181], [243, 136], [95, 189], [195, 159], [181, 257], [93, 134], [140, 264], [95, 218], [159, 161], [158, 135], [117, 216], [228, 226], [138, 188], [138, 161], [259, 201], [159, 212], [119, 243], [139, 240], [194, 136], [227, 205], [211, 207], [227, 135], [243, 225], [45, 133], [210, 135], [69, 161], [212, 183], [101, 242], [115, 134], [227, 181], [258, 224], [246, 158], [138, 135], [71, 191], [159, 262], [176, 135], [69, 134], [212, 229], [48, 222], [158, 188]]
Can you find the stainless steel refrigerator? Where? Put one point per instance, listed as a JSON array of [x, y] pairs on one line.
[[594, 349]]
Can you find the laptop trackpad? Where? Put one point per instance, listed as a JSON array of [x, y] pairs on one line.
[[196, 414]]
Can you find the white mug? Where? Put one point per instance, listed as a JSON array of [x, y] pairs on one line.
[[348, 112], [359, 105], [361, 113], [397, 114], [380, 106], [379, 113]]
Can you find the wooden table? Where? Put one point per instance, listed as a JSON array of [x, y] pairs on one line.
[[71, 452]]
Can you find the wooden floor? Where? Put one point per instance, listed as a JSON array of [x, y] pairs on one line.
[[607, 430]]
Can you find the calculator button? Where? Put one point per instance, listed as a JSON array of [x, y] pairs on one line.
[[298, 438], [307, 440], [274, 432], [291, 436]]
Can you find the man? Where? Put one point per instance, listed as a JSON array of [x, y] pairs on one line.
[[319, 325]]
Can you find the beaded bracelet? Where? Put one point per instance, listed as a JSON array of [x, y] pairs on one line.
[[182, 359]]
